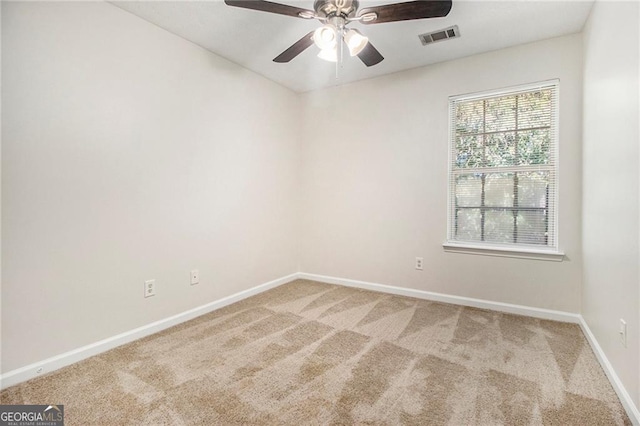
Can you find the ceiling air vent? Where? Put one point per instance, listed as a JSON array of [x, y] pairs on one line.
[[445, 34]]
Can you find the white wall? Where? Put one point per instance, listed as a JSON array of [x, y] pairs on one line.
[[611, 184], [375, 179], [0, 192], [130, 154]]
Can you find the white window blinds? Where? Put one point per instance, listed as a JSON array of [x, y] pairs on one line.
[[504, 168]]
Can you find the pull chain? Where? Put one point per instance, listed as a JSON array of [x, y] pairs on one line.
[[339, 54]]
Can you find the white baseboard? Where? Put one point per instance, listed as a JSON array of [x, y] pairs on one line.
[[54, 363], [625, 398], [446, 298]]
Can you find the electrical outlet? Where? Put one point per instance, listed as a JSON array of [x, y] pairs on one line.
[[419, 262], [149, 288], [623, 332], [195, 276]]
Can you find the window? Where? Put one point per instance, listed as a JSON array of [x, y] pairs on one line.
[[503, 169]]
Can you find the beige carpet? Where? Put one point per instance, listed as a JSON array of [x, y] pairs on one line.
[[312, 353]]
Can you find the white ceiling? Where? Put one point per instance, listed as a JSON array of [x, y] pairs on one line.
[[252, 39]]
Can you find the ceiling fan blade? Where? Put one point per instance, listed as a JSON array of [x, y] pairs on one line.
[[296, 48], [267, 6], [406, 11], [370, 55]]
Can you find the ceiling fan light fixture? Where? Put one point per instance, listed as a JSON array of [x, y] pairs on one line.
[[326, 37], [330, 55], [355, 41]]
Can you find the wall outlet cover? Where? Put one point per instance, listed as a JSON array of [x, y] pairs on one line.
[[623, 332], [149, 288]]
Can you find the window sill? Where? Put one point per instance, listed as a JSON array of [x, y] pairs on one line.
[[520, 253]]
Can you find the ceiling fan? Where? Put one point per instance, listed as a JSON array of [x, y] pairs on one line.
[[336, 15]]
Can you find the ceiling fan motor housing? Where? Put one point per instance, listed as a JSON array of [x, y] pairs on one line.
[[336, 8]]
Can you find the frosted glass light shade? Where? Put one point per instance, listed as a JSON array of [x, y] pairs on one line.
[[326, 37], [355, 41], [330, 55]]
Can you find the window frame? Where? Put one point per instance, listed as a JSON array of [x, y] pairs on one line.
[[529, 251]]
